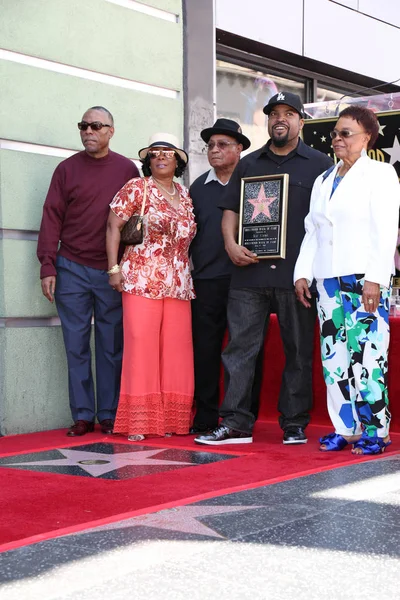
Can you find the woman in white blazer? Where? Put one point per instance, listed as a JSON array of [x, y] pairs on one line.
[[349, 246]]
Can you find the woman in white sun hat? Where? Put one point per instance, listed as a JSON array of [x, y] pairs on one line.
[[157, 381]]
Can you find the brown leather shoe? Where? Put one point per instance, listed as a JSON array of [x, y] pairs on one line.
[[107, 426], [80, 428]]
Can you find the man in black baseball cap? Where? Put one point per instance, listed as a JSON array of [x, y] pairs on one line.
[[212, 269], [292, 100], [259, 287], [285, 121]]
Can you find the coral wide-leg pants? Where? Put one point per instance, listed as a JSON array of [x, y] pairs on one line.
[[157, 383]]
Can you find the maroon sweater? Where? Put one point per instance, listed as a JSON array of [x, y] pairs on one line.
[[76, 209]]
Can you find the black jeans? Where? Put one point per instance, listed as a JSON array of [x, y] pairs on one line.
[[248, 311], [209, 322]]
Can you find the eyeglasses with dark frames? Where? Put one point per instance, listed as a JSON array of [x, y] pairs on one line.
[[156, 153], [95, 125], [221, 145], [344, 133]]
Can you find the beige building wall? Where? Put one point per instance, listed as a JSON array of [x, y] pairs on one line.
[[57, 58]]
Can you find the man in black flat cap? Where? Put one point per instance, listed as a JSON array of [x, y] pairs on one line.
[[259, 287], [212, 270]]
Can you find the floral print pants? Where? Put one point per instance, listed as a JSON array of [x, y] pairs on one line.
[[354, 351]]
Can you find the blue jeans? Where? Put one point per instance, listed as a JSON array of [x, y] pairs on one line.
[[83, 292]]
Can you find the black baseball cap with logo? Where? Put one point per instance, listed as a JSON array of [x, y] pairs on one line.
[[288, 98]]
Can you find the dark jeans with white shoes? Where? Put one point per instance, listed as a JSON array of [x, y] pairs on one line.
[[248, 311]]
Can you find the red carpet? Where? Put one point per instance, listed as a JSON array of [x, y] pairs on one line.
[[37, 505], [272, 374]]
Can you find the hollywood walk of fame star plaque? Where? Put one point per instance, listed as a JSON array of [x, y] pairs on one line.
[[263, 215]]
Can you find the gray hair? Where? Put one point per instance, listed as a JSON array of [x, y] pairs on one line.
[[105, 110]]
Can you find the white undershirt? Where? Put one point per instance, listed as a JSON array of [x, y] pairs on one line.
[[212, 176]]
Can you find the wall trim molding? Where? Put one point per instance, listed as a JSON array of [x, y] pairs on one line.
[[45, 150], [48, 65], [36, 148], [18, 234], [147, 10], [28, 322]]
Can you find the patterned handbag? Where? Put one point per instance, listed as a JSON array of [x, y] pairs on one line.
[[132, 231]]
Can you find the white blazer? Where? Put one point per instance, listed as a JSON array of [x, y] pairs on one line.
[[354, 231]]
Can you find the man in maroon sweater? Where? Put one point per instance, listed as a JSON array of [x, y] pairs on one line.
[[72, 253]]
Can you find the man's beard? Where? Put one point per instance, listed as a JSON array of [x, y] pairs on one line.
[[280, 142]]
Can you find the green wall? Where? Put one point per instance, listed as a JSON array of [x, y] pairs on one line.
[[41, 107]]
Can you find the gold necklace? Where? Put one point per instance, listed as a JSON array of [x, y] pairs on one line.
[[172, 194]]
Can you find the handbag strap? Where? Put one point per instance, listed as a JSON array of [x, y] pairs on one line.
[[144, 197]]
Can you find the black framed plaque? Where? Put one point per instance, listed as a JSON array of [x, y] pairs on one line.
[[263, 215]]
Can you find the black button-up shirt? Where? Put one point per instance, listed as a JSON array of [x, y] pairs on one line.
[[303, 165]]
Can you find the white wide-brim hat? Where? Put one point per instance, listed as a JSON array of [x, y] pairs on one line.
[[164, 140]]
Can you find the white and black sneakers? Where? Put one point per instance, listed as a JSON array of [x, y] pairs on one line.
[[224, 435], [294, 435]]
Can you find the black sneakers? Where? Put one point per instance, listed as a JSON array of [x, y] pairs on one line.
[[294, 435], [200, 429], [224, 435]]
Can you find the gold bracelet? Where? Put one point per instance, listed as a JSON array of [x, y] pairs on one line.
[[115, 269]]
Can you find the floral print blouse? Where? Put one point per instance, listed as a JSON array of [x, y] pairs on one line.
[[159, 266]]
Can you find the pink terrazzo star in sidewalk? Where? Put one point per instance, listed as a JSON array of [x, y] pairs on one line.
[[98, 463], [182, 518]]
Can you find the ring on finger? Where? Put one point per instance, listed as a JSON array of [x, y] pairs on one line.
[[370, 301]]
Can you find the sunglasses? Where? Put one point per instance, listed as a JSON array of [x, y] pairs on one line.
[[156, 153], [220, 144], [345, 133], [95, 126]]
